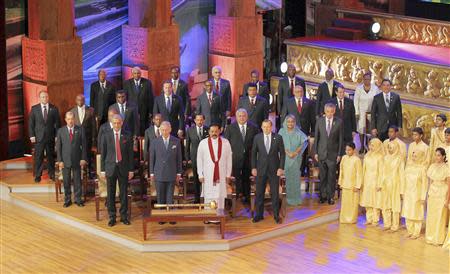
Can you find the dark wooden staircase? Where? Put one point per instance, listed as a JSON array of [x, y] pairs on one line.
[[349, 28]]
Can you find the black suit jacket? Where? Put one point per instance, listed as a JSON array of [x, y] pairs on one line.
[[256, 113], [89, 125], [224, 92], [284, 90], [323, 96], [131, 118], [183, 91], [143, 98], [347, 116], [192, 142], [101, 131], [240, 147], [71, 152], [176, 114], [149, 136], [44, 131], [382, 118], [329, 147], [306, 119], [263, 91], [102, 99], [108, 153], [268, 163], [213, 113]]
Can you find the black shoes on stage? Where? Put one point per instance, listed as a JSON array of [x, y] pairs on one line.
[[112, 221]]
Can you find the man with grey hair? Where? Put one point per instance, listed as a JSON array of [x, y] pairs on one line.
[[117, 165], [240, 134], [328, 146], [103, 94], [140, 92], [223, 88]]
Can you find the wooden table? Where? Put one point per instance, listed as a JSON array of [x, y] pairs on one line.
[[185, 216]]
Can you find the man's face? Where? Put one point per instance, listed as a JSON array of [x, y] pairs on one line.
[[214, 132], [385, 87], [291, 71], [254, 77], [416, 137], [329, 112], [121, 98], [117, 124], [43, 98], [439, 122], [69, 120], [366, 80], [80, 101], [157, 120], [392, 134], [298, 92], [102, 76], [340, 93], [136, 74], [241, 117], [208, 86], [251, 91], [447, 138], [167, 88], [165, 130], [216, 73], [266, 127], [175, 73], [329, 75], [199, 120]]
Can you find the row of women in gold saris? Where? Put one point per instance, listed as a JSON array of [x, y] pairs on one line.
[[385, 183]]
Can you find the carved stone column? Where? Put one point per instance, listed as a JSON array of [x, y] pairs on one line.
[[235, 42], [150, 41], [51, 55]]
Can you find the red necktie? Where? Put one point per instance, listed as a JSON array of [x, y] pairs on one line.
[[299, 106], [217, 86], [157, 132], [45, 114], [292, 87], [209, 99], [70, 135], [118, 152]]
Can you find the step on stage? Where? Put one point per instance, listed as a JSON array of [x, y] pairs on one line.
[[17, 186]]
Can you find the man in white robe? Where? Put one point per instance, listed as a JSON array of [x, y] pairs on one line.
[[214, 169]]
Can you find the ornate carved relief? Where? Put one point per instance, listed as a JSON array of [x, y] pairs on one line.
[[134, 45], [221, 31], [34, 59]]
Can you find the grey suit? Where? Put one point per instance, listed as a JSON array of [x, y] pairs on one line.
[[192, 141], [89, 125], [224, 92], [149, 136], [71, 152], [328, 147], [266, 165], [213, 113], [165, 164]]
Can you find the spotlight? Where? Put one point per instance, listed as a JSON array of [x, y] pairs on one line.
[[374, 31], [284, 67]]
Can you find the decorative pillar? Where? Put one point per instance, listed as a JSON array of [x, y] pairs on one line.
[[150, 41], [235, 42], [51, 55]]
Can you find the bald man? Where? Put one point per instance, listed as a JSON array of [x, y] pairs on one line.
[[103, 94]]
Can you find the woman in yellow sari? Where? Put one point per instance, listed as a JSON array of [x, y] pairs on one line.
[[437, 208]]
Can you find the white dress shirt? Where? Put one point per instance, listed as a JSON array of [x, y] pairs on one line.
[[42, 108], [81, 113]]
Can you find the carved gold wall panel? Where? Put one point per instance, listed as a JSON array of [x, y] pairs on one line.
[[419, 116]]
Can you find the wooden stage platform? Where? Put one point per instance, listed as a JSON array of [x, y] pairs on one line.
[[18, 187]]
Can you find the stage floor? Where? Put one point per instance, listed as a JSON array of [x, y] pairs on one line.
[[397, 50]]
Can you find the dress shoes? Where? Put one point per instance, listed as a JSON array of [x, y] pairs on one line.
[[125, 221], [112, 222], [277, 220], [330, 201], [80, 204], [67, 204], [173, 223], [257, 219], [37, 179], [52, 177], [322, 200], [161, 223]]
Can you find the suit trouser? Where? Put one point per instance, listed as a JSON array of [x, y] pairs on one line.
[[242, 182], [391, 219], [164, 192], [413, 227], [274, 183], [372, 215], [49, 148], [383, 135], [123, 193], [327, 176], [67, 178], [197, 184], [304, 164]]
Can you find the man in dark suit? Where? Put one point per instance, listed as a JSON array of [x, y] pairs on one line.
[[286, 87], [386, 111], [194, 135], [345, 110], [180, 88], [105, 127], [326, 91], [303, 110], [102, 96], [268, 156], [43, 123], [128, 111], [261, 86], [256, 106], [71, 151], [84, 116], [240, 134], [117, 165], [165, 164], [328, 146], [223, 88], [209, 104], [140, 93], [170, 106], [152, 133]]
